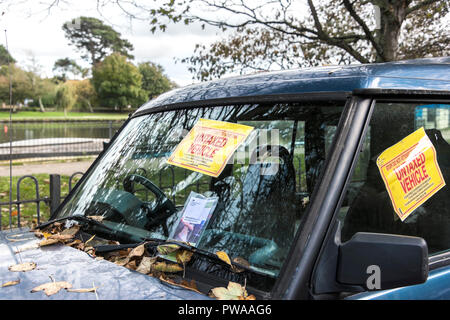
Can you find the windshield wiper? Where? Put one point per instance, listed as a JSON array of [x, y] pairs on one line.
[[207, 254], [154, 242], [83, 219], [157, 242]]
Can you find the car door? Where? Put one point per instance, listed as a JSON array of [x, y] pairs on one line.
[[368, 204]]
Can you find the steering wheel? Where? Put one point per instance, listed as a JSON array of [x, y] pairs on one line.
[[164, 208]]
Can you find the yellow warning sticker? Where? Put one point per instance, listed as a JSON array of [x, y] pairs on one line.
[[209, 145], [410, 172]]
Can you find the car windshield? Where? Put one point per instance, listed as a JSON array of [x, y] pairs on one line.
[[251, 210]]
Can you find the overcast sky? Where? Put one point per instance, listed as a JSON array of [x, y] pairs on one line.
[[31, 31]]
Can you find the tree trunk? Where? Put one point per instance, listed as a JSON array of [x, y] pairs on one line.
[[391, 18], [90, 106], [41, 105]]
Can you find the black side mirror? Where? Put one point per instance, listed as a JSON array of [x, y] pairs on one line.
[[105, 145], [371, 261], [397, 260]]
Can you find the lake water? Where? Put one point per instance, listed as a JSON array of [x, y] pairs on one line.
[[58, 129], [44, 139]]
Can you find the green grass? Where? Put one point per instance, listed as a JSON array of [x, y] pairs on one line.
[[28, 192], [52, 115]]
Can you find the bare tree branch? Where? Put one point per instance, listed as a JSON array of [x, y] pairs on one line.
[[365, 28], [334, 41]]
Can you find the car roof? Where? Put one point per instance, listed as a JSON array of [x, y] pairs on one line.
[[418, 74]]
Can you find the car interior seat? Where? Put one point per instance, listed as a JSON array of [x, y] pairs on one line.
[[262, 213]]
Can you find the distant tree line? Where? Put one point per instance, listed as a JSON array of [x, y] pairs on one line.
[[111, 81]]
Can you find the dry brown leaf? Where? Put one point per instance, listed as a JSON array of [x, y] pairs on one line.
[[131, 265], [93, 289], [27, 247], [52, 287], [137, 252], [192, 285], [234, 291], [10, 283], [184, 284], [72, 231], [60, 237], [74, 243], [146, 264], [48, 242], [22, 267], [167, 267], [121, 261], [240, 261], [89, 250], [38, 234], [96, 218]]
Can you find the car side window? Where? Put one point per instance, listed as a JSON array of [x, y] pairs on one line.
[[367, 206]]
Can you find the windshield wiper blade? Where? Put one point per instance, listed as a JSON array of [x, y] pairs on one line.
[[154, 242], [203, 253], [83, 219]]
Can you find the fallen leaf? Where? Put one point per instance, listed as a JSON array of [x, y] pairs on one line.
[[167, 267], [48, 242], [46, 235], [224, 257], [52, 287], [131, 265], [27, 247], [137, 252], [93, 289], [38, 234], [96, 218], [22, 267], [184, 284], [74, 243], [234, 291], [189, 285], [90, 251], [72, 231], [121, 261], [10, 283], [146, 264], [242, 262], [184, 256], [61, 237], [167, 248]]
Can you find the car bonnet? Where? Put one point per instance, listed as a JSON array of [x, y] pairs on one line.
[[63, 263]]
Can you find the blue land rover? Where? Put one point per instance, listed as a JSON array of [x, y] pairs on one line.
[[301, 205]]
